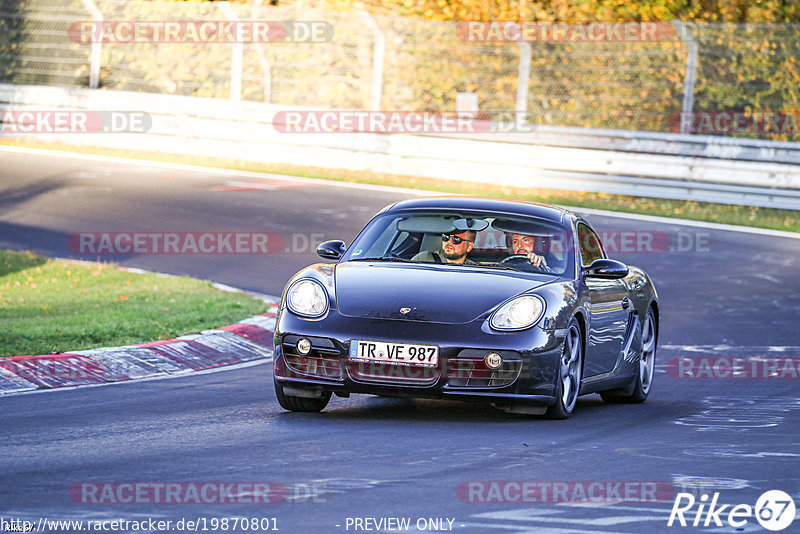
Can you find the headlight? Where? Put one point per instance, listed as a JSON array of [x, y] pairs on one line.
[[518, 313], [308, 298]]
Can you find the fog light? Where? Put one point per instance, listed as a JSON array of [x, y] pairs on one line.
[[303, 346], [493, 360]]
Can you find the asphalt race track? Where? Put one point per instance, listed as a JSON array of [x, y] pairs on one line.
[[367, 459]]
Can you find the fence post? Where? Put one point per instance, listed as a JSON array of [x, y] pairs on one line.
[[691, 71], [237, 54], [97, 43], [523, 80], [266, 66], [378, 53]]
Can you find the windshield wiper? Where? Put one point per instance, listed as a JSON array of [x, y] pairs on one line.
[[503, 267], [402, 260]]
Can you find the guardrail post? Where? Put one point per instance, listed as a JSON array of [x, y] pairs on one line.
[[237, 55], [691, 70], [378, 54], [523, 80], [97, 43]]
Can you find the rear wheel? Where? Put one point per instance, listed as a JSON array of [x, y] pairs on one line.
[[569, 374], [647, 366], [301, 404]]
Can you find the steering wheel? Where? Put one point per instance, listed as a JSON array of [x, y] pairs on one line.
[[520, 260]]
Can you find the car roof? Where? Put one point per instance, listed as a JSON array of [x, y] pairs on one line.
[[515, 207]]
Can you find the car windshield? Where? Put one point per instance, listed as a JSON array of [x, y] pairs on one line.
[[470, 239]]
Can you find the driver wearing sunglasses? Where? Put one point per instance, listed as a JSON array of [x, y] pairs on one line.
[[455, 247]]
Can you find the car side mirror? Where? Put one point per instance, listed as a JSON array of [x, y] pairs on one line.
[[607, 269], [331, 250]]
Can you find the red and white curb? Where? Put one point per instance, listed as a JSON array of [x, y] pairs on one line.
[[249, 340]]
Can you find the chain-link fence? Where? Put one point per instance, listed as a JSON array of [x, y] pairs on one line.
[[393, 63], [34, 48]]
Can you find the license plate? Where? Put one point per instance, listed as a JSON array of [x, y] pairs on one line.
[[395, 353]]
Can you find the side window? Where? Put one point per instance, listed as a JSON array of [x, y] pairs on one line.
[[589, 244]]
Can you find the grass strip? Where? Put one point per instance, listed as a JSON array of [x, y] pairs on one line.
[[776, 219], [49, 306]]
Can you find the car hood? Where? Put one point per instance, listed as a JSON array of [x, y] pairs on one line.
[[441, 294]]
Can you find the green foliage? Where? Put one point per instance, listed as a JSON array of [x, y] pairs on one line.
[[577, 11], [749, 67]]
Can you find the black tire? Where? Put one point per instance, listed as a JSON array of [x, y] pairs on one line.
[[301, 404], [643, 382], [570, 373]]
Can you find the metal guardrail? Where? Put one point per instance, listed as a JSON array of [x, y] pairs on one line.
[[703, 146], [645, 164]]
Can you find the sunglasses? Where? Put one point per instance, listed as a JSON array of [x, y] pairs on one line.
[[456, 240]]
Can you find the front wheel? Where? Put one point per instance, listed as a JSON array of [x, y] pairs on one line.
[[570, 370], [647, 366], [301, 404]]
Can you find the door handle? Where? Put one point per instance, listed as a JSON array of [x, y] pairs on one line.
[[625, 303]]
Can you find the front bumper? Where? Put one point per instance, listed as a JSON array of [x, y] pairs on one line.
[[527, 376]]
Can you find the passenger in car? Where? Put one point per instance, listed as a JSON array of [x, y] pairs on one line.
[[455, 247]]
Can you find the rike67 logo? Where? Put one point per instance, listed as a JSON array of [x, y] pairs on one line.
[[774, 510]]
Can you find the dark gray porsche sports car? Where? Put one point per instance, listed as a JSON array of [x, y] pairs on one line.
[[510, 303]]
